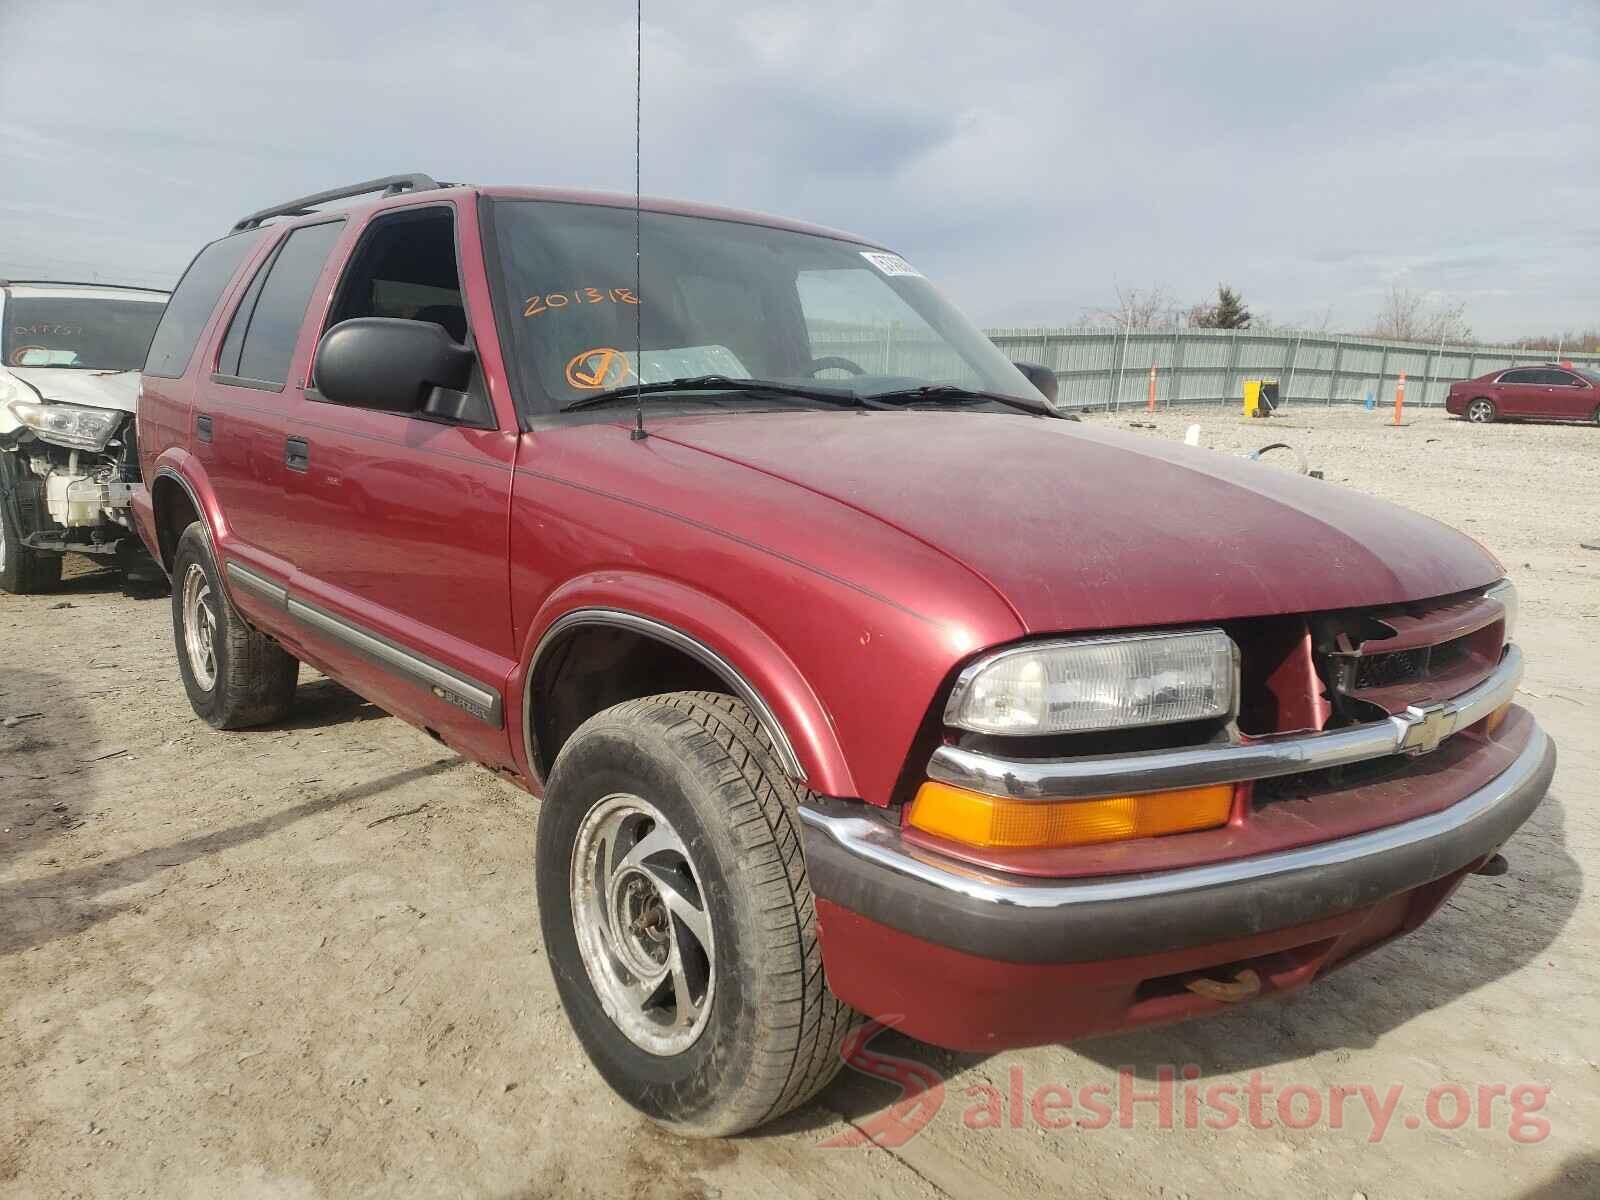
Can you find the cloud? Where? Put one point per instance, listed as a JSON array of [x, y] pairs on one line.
[[1027, 156]]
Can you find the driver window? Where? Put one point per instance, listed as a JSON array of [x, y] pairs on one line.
[[406, 267]]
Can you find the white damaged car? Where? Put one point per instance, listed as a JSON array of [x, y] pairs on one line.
[[70, 355]]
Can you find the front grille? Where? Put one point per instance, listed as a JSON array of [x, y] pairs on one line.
[[1375, 662], [1388, 670]]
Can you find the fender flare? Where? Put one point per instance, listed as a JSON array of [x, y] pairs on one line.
[[735, 649], [199, 497]]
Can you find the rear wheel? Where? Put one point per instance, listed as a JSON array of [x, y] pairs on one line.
[[677, 917], [1481, 411], [235, 676]]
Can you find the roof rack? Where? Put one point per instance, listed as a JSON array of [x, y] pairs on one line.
[[389, 185]]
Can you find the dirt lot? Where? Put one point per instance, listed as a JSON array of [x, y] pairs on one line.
[[304, 961]]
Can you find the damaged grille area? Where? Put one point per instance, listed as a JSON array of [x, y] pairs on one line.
[[1377, 662]]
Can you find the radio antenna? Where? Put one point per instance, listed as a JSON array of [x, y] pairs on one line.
[[638, 434]]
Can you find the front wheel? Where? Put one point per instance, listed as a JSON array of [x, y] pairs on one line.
[[235, 676], [677, 917], [1481, 411], [23, 570]]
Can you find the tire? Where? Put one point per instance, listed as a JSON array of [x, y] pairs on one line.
[[235, 676], [724, 893], [1482, 411], [24, 571]]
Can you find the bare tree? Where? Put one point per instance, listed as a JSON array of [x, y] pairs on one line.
[[1138, 308], [1586, 341], [1413, 316]]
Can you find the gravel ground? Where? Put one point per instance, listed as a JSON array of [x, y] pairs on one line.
[[303, 961]]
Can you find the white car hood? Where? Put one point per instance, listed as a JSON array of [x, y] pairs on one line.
[[94, 389]]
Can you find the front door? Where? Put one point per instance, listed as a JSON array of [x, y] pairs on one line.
[[1567, 396], [401, 522]]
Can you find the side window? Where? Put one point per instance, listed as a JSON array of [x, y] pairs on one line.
[[192, 302], [1560, 379], [266, 325], [1521, 377], [228, 360], [405, 266]]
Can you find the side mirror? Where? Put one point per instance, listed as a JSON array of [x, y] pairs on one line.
[[389, 364], [1042, 378]]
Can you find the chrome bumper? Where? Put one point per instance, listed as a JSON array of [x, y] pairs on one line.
[[861, 863], [1416, 731]]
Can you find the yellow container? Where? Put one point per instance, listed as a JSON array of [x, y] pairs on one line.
[[1260, 397]]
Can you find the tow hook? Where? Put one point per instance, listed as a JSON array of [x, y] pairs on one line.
[[1246, 985]]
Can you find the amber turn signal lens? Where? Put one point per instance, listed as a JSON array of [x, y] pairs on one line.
[[1494, 720], [990, 822]]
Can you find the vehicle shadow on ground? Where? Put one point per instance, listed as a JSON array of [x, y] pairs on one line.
[[1578, 1176], [67, 902], [84, 576], [318, 704], [41, 773]]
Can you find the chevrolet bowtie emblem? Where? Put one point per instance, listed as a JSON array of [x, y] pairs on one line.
[[1426, 726]]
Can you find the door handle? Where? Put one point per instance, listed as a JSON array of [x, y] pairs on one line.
[[297, 454], [202, 427]]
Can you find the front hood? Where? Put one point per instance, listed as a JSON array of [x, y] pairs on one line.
[[1079, 527], [93, 389]]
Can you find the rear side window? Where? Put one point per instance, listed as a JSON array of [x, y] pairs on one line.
[[266, 325], [191, 304], [1522, 377]]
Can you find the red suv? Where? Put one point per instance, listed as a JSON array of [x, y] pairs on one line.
[[1550, 393], [853, 678]]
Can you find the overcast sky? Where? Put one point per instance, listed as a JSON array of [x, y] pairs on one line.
[[1028, 157]]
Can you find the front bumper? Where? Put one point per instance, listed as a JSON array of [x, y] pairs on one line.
[[1082, 955]]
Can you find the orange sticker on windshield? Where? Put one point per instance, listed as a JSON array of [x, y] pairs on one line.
[[599, 368]]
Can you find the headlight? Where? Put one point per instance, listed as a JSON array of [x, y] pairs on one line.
[[68, 424], [1097, 683], [1506, 592]]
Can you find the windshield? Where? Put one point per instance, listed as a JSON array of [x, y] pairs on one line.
[[78, 332], [723, 298], [1592, 374]]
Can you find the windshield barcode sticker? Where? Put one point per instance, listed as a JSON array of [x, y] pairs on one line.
[[890, 264]]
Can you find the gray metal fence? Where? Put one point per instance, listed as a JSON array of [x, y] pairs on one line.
[[1111, 368]]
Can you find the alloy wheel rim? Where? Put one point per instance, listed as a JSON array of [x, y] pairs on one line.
[[200, 626], [1478, 411], [642, 925]]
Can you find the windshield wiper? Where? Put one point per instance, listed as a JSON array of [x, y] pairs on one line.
[[760, 388], [949, 393]]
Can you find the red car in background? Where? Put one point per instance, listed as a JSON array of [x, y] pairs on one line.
[[1548, 392]]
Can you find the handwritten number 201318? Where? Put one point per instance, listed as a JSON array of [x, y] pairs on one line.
[[544, 303]]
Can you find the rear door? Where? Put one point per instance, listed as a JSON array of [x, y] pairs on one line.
[[1521, 393], [400, 522], [243, 399]]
